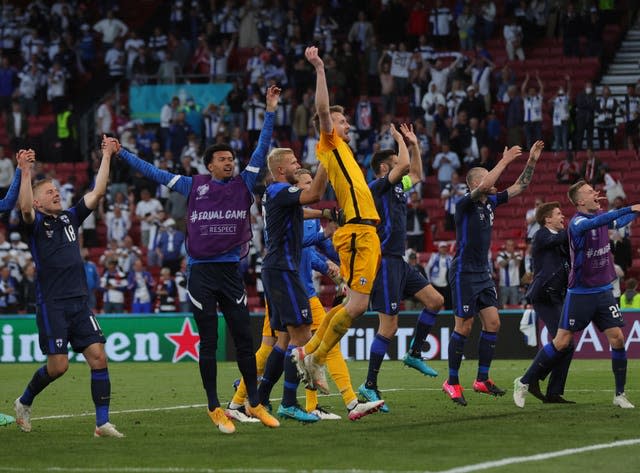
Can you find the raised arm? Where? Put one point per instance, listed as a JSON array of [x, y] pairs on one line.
[[540, 84], [25, 198], [176, 182], [315, 192], [492, 177], [322, 92], [415, 168], [584, 224], [402, 167], [109, 148], [524, 180], [523, 87], [259, 155]]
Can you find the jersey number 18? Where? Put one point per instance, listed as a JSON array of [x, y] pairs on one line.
[[70, 233]]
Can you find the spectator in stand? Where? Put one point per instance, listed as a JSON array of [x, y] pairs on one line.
[[218, 63], [132, 49], [430, 103], [561, 117], [28, 289], [487, 18], [400, 62], [504, 79], [508, 265], [473, 105], [31, 81], [571, 28], [147, 210], [168, 69], [170, 245], [127, 254], [568, 171], [475, 139], [179, 132], [181, 284], [512, 33], [8, 76], [466, 23], [110, 28], [140, 284], [56, 87], [113, 284], [255, 112], [440, 19], [532, 100], [620, 240], [86, 47], [194, 117], [532, 224], [440, 74], [166, 292], [413, 303], [9, 292], [143, 67], [455, 96], [283, 115], [118, 224], [158, 43], [17, 126], [630, 107], [237, 143], [630, 299], [438, 271], [481, 70], [594, 28], [361, 32], [93, 278], [235, 101], [387, 85], [301, 117], [309, 158], [605, 118], [201, 60], [167, 116], [586, 105], [7, 170], [450, 196], [213, 118], [591, 169], [416, 218]]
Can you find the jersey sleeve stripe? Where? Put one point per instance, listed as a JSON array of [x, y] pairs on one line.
[[173, 181], [253, 169]]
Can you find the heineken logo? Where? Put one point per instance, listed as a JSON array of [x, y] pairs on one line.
[[172, 338]]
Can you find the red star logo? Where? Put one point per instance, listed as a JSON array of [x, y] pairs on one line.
[[186, 342]]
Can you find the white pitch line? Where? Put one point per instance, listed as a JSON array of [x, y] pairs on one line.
[[540, 456]]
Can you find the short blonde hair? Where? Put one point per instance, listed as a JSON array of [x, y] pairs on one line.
[[574, 189], [275, 158], [36, 185], [332, 109]]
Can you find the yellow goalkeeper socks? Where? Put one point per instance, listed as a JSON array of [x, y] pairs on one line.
[[338, 370], [314, 342], [338, 326]]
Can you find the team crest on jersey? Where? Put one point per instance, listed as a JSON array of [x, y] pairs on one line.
[[363, 281], [394, 306], [293, 189], [59, 342], [202, 190], [304, 313], [572, 322], [64, 219], [465, 308], [49, 233]]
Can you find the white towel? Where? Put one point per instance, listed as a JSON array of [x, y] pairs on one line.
[[528, 327]]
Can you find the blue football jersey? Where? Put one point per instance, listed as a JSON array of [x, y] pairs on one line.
[[283, 223]]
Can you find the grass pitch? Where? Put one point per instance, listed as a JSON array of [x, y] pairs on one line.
[[161, 409]]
